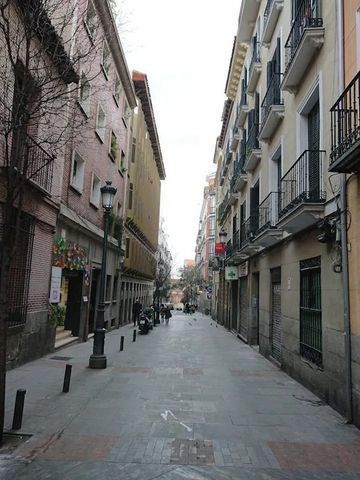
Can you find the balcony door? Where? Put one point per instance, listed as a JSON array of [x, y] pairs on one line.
[[314, 147], [254, 207]]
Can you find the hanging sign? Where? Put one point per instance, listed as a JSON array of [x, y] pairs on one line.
[[220, 248], [231, 273], [55, 285], [244, 269]]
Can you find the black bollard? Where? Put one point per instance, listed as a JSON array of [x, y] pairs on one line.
[[134, 336], [67, 377], [18, 409], [122, 343]]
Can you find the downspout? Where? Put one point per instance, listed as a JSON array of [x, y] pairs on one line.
[[344, 239]]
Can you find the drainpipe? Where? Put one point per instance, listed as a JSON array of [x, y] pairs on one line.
[[343, 236]]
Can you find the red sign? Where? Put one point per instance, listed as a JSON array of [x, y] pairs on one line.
[[220, 248]]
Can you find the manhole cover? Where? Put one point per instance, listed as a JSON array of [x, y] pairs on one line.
[[65, 359]]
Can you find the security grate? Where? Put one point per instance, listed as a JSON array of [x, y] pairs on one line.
[[19, 272], [310, 310]]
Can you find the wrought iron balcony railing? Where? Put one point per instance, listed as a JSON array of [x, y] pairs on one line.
[[272, 96], [268, 212], [307, 16], [34, 163], [247, 232], [255, 58], [303, 183], [345, 129], [238, 168], [267, 11], [252, 140]]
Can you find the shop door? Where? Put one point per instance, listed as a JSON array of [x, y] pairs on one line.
[[234, 304], [276, 321], [243, 327], [74, 298]]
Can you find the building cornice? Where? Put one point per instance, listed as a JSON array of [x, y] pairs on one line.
[[143, 92], [238, 55]]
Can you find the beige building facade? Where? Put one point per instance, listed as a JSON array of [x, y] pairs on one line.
[[345, 160], [141, 227], [277, 202]]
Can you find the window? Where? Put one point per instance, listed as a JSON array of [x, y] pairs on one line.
[[133, 150], [117, 90], [84, 94], [310, 310], [91, 19], [131, 190], [127, 247], [100, 124], [127, 114], [106, 59], [108, 288], [113, 147], [95, 191], [122, 162], [77, 172]]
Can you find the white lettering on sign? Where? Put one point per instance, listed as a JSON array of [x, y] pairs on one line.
[[55, 285]]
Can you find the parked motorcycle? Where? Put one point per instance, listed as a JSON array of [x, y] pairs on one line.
[[144, 324]]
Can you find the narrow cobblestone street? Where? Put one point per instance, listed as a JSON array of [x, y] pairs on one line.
[[187, 401]]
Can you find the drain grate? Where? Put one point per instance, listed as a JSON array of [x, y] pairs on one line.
[[57, 357], [192, 452]]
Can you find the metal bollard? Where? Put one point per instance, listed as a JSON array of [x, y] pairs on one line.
[[121, 343], [134, 336], [67, 377], [18, 409]]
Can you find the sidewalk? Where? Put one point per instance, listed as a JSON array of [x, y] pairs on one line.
[[187, 401]]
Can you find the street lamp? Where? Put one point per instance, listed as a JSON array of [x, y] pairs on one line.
[[98, 358]]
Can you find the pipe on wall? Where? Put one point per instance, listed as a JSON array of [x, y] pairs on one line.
[[344, 237]]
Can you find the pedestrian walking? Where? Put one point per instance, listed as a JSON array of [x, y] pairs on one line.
[[162, 312], [167, 315], [136, 310]]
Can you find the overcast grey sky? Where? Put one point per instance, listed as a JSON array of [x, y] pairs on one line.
[[184, 48]]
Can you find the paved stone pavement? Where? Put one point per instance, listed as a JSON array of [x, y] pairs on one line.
[[188, 401]]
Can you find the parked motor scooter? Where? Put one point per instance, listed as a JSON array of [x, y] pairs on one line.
[[144, 324]]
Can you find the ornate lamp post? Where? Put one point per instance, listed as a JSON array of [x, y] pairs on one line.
[[98, 358]]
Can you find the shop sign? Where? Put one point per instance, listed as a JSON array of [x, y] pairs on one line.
[[231, 273], [55, 285], [244, 269], [220, 248]]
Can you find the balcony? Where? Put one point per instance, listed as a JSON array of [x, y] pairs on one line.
[[306, 38], [255, 68], [272, 109], [267, 233], [271, 15], [253, 150], [234, 141], [239, 178], [247, 19], [34, 164], [243, 108], [225, 206], [345, 130], [228, 155], [242, 246], [302, 195]]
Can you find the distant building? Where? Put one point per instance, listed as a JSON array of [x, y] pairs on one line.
[[189, 263]]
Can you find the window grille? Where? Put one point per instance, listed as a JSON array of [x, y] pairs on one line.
[[19, 272], [310, 310]]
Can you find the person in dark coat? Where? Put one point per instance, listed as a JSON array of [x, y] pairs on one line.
[[136, 310], [167, 315]]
